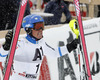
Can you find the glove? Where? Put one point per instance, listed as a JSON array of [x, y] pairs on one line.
[[73, 45], [8, 39]]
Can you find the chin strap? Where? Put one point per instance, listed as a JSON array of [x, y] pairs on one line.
[[32, 39]]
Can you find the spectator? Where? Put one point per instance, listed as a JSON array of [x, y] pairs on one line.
[[8, 13], [56, 7]]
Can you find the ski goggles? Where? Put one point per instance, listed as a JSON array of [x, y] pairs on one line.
[[38, 26]]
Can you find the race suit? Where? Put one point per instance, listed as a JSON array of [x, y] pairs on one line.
[[29, 53]]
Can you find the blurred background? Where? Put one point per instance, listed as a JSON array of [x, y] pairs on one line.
[[89, 8]]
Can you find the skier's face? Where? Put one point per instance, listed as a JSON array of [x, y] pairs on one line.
[[37, 31]]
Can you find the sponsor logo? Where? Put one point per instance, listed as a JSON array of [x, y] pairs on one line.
[[28, 25], [94, 62], [31, 76], [90, 26]]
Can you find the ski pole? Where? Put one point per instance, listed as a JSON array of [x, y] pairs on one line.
[[15, 38], [83, 43], [74, 27]]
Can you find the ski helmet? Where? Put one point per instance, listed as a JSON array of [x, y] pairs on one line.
[[29, 22]]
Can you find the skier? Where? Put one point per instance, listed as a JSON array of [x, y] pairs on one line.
[[56, 7], [31, 49]]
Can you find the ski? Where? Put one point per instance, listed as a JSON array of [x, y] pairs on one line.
[[15, 38], [84, 52]]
